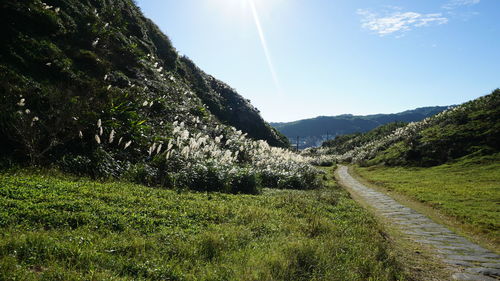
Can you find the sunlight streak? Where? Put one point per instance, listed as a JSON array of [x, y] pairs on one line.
[[264, 46]]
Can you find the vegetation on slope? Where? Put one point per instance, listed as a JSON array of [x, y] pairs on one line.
[[467, 190], [55, 228], [314, 131], [345, 143], [472, 128], [95, 88]]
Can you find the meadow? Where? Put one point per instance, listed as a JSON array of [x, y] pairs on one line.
[[59, 227], [466, 192]]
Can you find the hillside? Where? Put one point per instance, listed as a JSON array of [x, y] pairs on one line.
[[345, 143], [467, 130], [314, 131], [70, 46], [93, 87]]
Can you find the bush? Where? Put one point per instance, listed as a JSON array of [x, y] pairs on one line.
[[100, 164], [76, 164], [269, 179], [306, 178], [202, 177], [244, 181], [323, 160], [104, 165], [143, 174]]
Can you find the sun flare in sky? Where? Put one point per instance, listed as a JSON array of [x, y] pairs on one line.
[[339, 57], [230, 7]]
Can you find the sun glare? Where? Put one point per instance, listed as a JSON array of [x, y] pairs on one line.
[[253, 7], [230, 7], [264, 46]]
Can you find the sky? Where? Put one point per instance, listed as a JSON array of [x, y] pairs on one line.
[[297, 59]]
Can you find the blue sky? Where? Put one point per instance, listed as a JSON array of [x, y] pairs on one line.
[[297, 59]]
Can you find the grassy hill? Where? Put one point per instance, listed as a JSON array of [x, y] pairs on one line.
[[94, 88], [313, 132], [471, 129], [67, 48], [345, 143]]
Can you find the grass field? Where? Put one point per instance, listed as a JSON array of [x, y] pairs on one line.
[[53, 227], [468, 191]]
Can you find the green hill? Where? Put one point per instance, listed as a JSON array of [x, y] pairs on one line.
[[345, 143], [93, 87], [470, 129], [313, 132]]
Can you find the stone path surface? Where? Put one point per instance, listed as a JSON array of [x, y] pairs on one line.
[[468, 261]]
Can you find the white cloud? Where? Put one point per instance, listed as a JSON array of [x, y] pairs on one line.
[[453, 4], [397, 21]]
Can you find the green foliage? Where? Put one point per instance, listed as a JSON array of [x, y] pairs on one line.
[[76, 164], [143, 173], [307, 179], [202, 177], [101, 164], [473, 128], [245, 181], [344, 143], [393, 156], [55, 228]]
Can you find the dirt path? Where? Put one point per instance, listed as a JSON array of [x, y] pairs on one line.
[[468, 261]]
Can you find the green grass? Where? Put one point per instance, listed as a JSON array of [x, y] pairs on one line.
[[468, 191], [53, 227]]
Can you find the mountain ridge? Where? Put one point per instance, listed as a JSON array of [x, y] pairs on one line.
[[278, 123]]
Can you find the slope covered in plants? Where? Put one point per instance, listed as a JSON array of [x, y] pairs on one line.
[[344, 143], [95, 88], [470, 129]]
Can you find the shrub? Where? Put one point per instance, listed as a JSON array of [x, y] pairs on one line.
[[143, 174], [244, 181], [202, 177], [104, 165], [269, 179], [76, 164]]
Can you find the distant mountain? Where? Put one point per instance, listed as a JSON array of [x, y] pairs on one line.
[[312, 132]]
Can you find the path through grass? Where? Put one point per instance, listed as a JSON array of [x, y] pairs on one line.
[[468, 191]]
